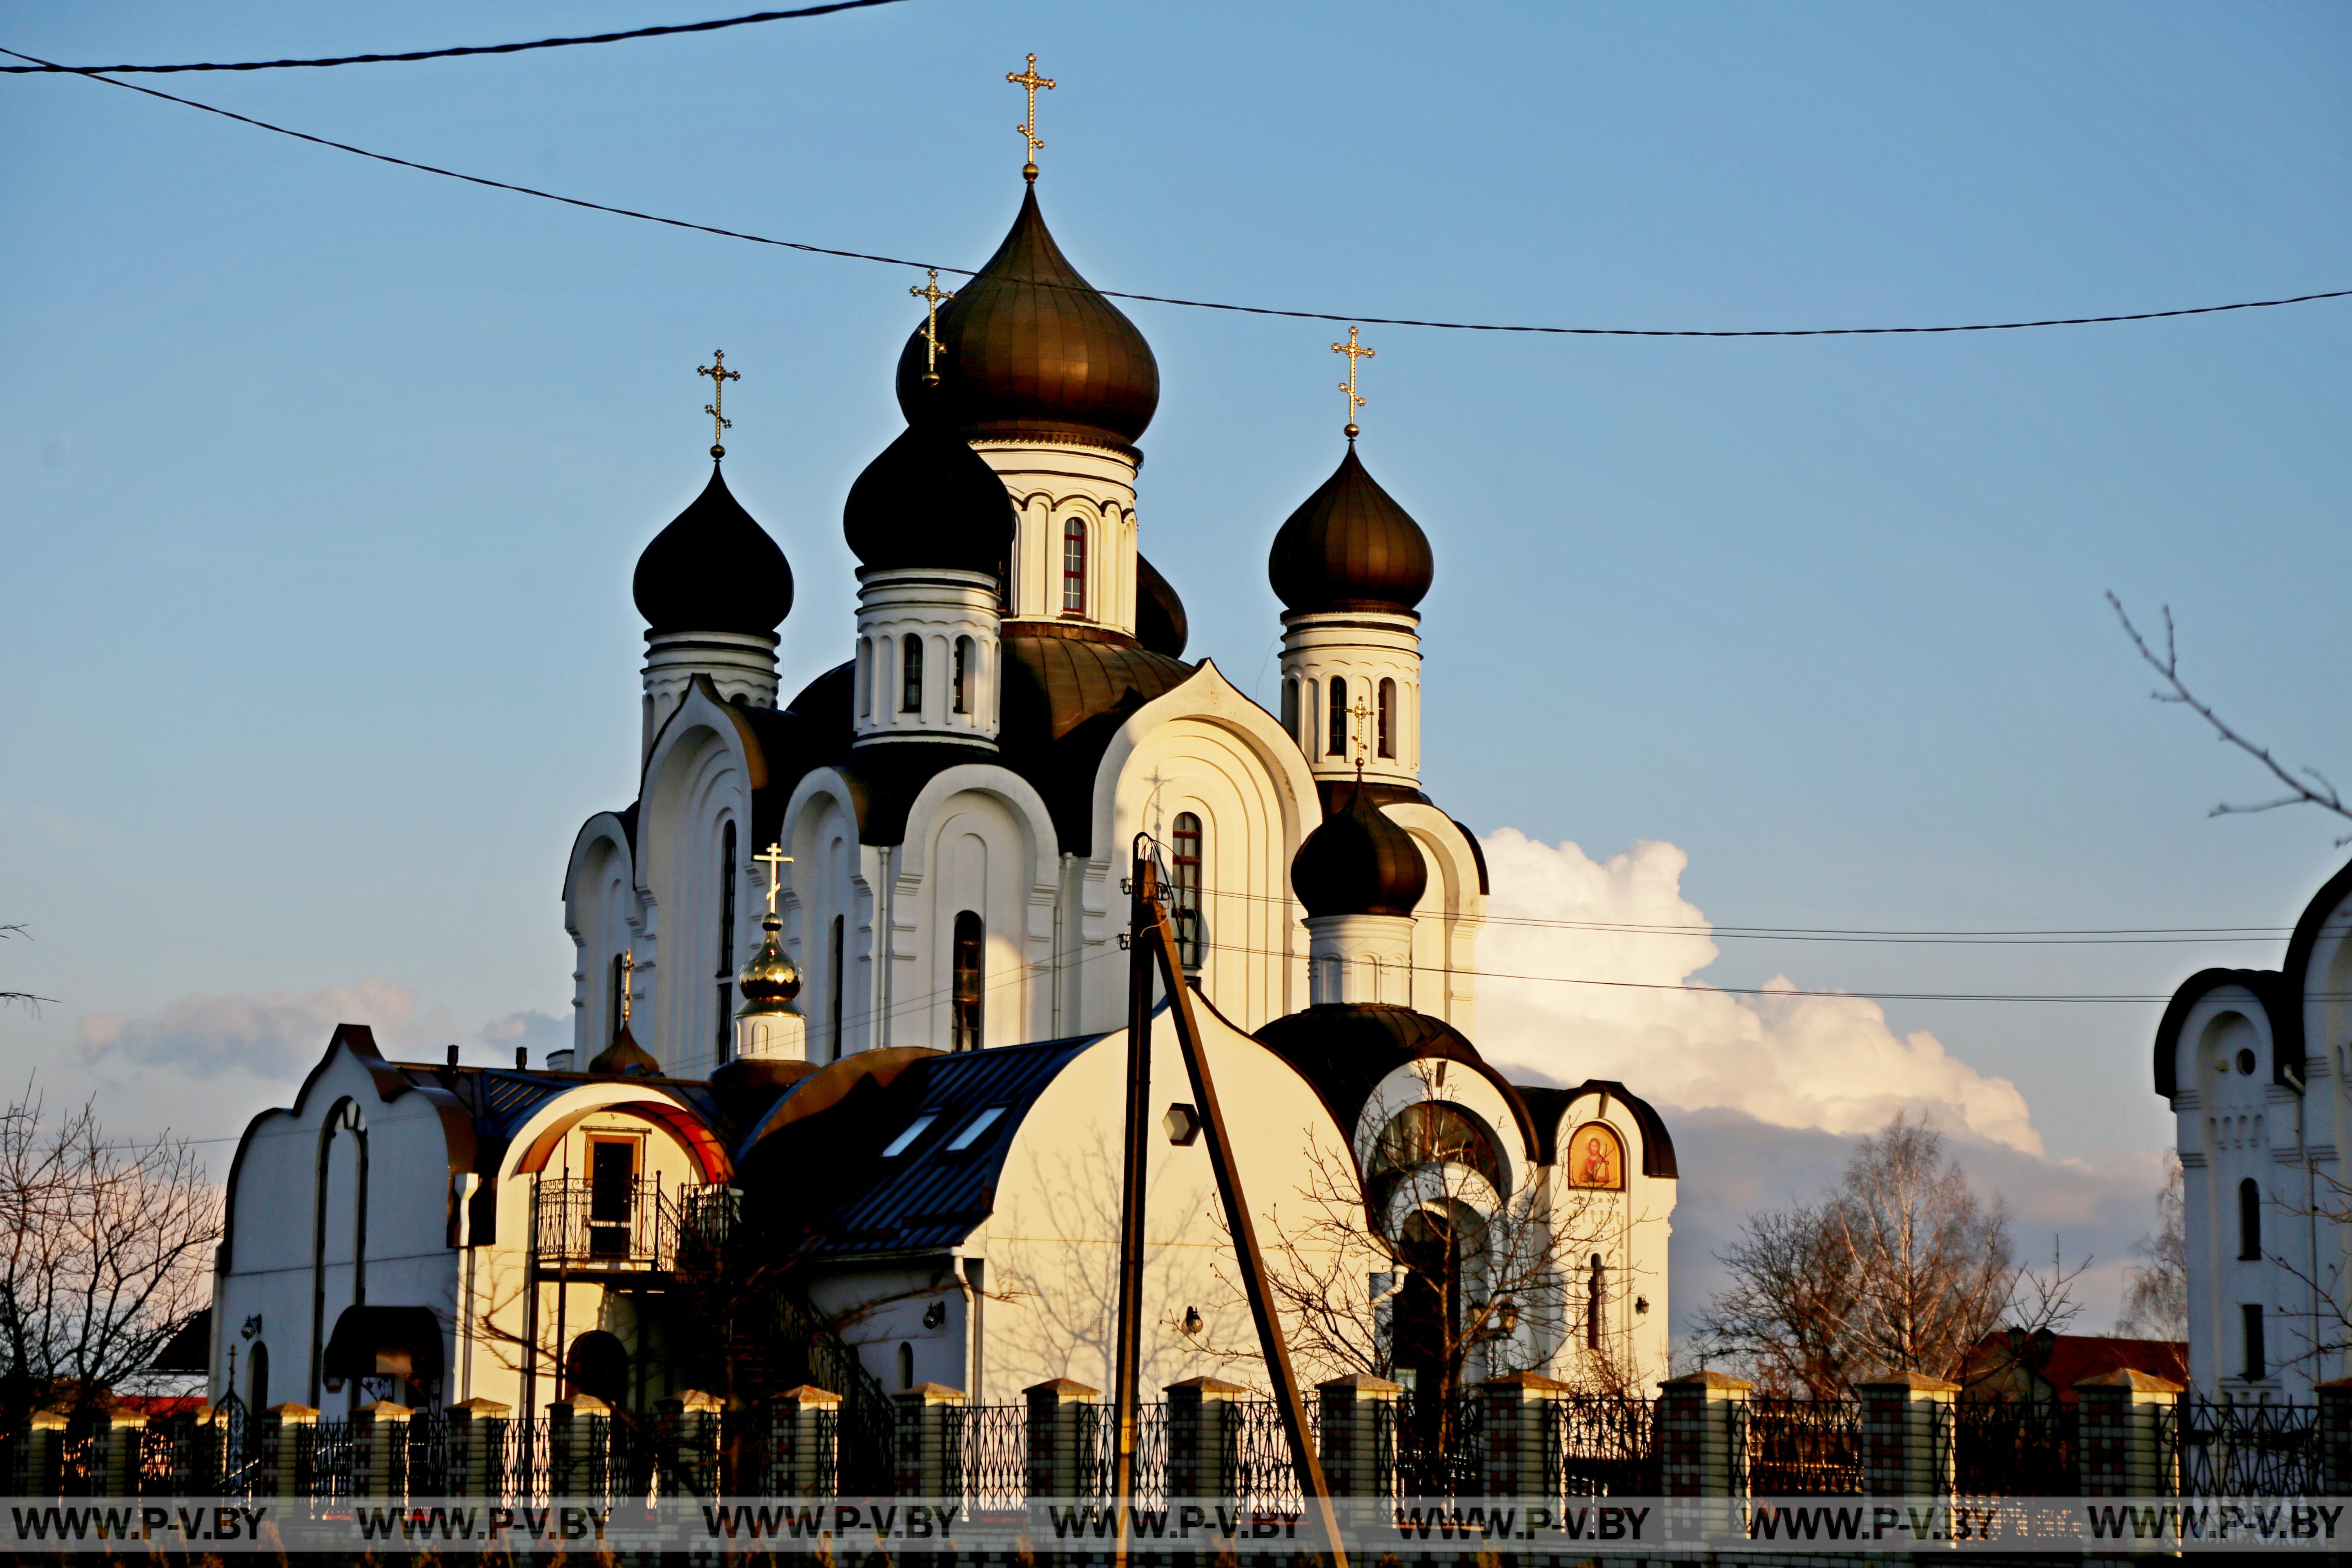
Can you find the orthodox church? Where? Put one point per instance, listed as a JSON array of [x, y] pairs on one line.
[[2257, 1066], [851, 978]]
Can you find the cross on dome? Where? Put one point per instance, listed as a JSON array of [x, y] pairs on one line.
[[1354, 350], [775, 859], [1031, 82], [931, 294], [720, 377]]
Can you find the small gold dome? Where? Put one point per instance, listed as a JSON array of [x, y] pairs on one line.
[[769, 982]]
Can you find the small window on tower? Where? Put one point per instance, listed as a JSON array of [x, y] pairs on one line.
[[1335, 723], [964, 998], [1074, 567], [1388, 719], [911, 695], [963, 687], [1185, 907]]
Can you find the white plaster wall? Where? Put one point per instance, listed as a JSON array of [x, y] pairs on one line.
[[1050, 483], [1363, 648], [1446, 921]]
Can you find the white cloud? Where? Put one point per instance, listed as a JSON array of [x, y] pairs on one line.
[[274, 1034], [1795, 1061], [536, 1033]]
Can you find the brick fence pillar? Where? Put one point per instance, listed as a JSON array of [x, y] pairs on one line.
[[928, 1440], [1063, 1422], [380, 1449], [126, 1433], [1907, 1435], [1522, 1450], [1703, 1435], [804, 1441], [689, 1457], [478, 1441], [579, 1443], [282, 1437], [2125, 1433], [2336, 1436], [1359, 1435], [1201, 1448]]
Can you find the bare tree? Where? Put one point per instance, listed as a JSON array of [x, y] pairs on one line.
[[2156, 1305], [2318, 790], [1901, 1267], [108, 1248], [27, 997]]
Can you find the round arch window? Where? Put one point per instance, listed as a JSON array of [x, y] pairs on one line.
[[1431, 1132], [598, 1364]]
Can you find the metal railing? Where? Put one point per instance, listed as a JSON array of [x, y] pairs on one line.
[[577, 1222], [1805, 1447], [2249, 1450], [1605, 1446], [2015, 1447]]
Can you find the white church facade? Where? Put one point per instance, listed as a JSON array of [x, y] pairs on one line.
[[2257, 1066], [906, 1081]]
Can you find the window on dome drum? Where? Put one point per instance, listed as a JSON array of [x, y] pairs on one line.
[[864, 676], [964, 996], [1184, 908], [1596, 1292], [2257, 1365], [911, 693], [1335, 723], [726, 940], [962, 684], [833, 1001], [1388, 719], [1290, 712], [1074, 567], [2250, 1219]]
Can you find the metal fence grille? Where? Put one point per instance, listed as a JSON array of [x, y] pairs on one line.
[[1805, 1447], [2249, 1450]]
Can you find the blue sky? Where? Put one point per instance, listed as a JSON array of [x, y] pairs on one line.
[[321, 481]]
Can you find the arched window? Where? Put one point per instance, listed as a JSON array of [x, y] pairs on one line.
[[906, 1366], [1431, 1132], [864, 676], [910, 685], [598, 1364], [2257, 1362], [256, 1380], [2250, 1219], [1184, 908], [1596, 1292], [833, 1002], [962, 688], [963, 999], [1387, 719], [1074, 567], [1290, 712], [726, 940], [620, 990], [1335, 723]]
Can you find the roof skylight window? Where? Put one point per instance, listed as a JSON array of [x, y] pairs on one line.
[[914, 1130], [975, 1127]]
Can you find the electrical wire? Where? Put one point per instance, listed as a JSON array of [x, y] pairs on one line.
[[1227, 306], [472, 49]]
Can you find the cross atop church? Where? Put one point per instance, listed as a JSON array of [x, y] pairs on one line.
[[1029, 80], [720, 377], [1354, 350], [1363, 717], [629, 981], [931, 294], [774, 858]]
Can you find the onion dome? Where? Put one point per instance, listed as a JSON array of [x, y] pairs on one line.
[[624, 1057], [930, 501], [713, 569], [1351, 547], [1028, 348], [769, 982], [1358, 863], [1160, 621]]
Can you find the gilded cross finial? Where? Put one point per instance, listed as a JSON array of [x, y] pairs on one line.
[[1354, 350], [1029, 80], [1363, 717], [774, 858], [931, 294], [629, 981], [720, 377]]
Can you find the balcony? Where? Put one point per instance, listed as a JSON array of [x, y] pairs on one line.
[[583, 1224]]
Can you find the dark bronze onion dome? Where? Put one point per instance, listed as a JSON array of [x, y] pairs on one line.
[[1351, 547], [930, 501], [770, 981], [624, 1057], [1358, 863], [1160, 621], [713, 569], [1028, 348]]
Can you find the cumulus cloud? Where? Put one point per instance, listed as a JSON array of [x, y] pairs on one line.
[[270, 1035], [1795, 1061]]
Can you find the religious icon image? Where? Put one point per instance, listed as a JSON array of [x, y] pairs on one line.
[[1596, 1158]]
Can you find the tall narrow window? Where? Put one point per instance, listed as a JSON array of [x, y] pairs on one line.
[[910, 684], [832, 1001], [2257, 1365], [1290, 712], [865, 676], [1387, 719], [964, 1000], [1596, 1293], [726, 940], [620, 988], [1074, 567], [1335, 723], [962, 685], [2250, 1219], [1185, 906]]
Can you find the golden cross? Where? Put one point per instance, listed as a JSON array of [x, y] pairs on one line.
[[720, 377], [1030, 80], [1363, 717], [1354, 350], [629, 981], [932, 293], [775, 859]]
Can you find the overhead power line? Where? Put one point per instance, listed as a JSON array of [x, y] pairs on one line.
[[804, 246], [470, 49]]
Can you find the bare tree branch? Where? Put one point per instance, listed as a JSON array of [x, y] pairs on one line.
[[27, 997], [2167, 664]]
